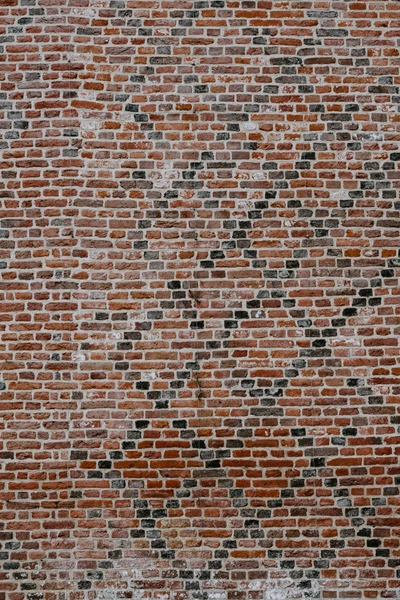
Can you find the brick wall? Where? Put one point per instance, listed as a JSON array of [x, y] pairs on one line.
[[200, 299]]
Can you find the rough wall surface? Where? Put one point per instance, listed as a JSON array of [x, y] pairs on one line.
[[200, 299]]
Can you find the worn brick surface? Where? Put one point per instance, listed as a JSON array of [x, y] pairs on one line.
[[200, 299]]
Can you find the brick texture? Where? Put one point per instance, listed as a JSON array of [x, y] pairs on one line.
[[200, 299]]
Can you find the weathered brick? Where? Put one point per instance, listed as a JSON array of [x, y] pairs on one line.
[[199, 267]]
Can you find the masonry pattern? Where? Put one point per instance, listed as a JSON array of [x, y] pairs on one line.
[[200, 299]]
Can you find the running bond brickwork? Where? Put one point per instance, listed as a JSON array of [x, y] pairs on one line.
[[200, 299]]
